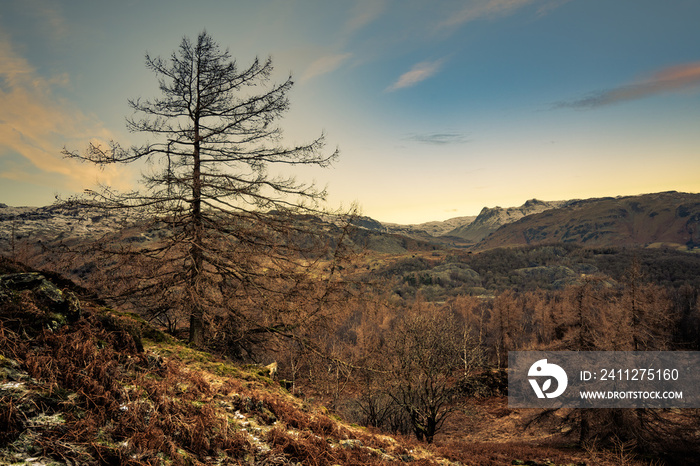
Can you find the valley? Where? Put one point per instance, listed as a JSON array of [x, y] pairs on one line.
[[350, 327]]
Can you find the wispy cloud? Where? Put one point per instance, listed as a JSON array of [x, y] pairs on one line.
[[490, 9], [443, 138], [325, 64], [35, 124], [359, 14], [673, 79], [420, 72], [483, 9], [364, 13]]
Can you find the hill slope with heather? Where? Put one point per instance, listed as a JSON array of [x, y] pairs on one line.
[[81, 383]]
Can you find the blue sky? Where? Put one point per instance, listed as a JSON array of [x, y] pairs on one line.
[[439, 108]]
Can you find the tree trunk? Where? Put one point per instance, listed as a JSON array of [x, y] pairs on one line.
[[197, 248]]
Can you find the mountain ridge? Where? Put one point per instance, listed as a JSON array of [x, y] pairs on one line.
[[471, 228], [648, 220], [490, 219], [671, 218]]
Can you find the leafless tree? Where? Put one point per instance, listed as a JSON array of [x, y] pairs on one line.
[[233, 233], [425, 351]]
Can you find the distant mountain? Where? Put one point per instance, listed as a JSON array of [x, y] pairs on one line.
[[649, 220], [434, 229], [490, 219], [459, 231], [51, 226], [432, 232]]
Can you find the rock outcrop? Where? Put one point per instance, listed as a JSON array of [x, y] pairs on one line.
[[62, 306]]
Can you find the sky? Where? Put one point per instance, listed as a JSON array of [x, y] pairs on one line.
[[439, 108]]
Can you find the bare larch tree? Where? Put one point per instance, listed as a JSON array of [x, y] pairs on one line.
[[424, 379], [230, 223]]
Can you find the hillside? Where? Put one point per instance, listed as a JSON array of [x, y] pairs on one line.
[[84, 384], [394, 238], [650, 220], [23, 228], [54, 223], [443, 275]]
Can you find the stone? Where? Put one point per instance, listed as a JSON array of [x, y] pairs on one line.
[[21, 281], [62, 307], [350, 444]]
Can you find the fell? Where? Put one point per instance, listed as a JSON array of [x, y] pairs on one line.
[[102, 387]]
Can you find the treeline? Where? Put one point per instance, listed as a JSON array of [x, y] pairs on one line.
[[553, 267]]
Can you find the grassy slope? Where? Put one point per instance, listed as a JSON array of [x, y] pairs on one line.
[[84, 394]]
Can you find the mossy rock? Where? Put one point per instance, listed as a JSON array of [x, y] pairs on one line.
[[59, 307]]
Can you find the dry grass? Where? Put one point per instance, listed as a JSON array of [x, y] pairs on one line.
[[118, 405], [102, 400]]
